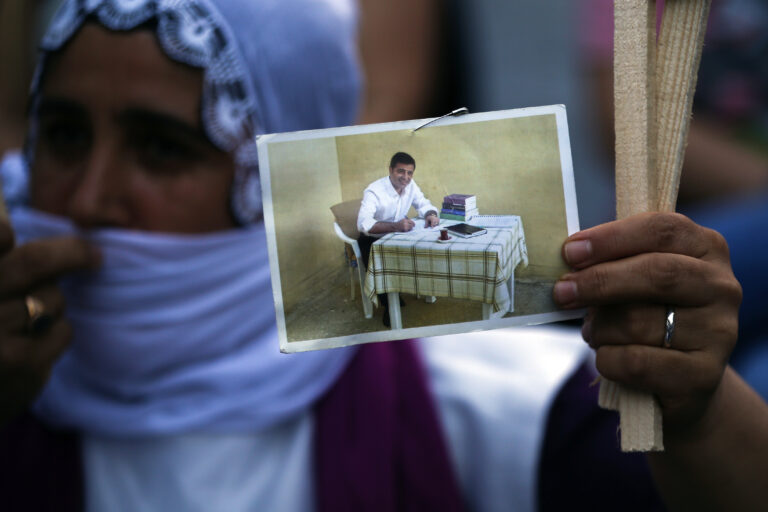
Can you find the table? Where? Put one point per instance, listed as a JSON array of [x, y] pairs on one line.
[[479, 268]]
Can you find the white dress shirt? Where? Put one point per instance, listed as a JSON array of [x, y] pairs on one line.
[[382, 203]]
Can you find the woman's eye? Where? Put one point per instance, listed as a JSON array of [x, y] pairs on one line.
[[65, 140], [161, 153]]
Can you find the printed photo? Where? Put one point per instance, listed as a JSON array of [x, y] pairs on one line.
[[400, 230]]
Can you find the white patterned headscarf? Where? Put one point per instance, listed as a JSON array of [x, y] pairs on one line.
[[177, 333], [268, 65]]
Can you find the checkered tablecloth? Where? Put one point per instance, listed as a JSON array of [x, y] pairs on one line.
[[476, 268]]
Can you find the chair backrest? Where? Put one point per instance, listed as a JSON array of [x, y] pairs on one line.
[[346, 217]]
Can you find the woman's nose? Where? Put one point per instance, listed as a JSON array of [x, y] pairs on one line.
[[98, 198]]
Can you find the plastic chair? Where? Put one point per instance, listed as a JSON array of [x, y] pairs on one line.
[[345, 227], [367, 305]]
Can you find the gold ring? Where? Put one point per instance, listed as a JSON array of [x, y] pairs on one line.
[[38, 319]]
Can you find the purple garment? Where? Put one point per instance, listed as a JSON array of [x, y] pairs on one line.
[[379, 446], [582, 466], [40, 468]]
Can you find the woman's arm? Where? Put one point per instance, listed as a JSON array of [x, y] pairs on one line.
[[629, 273], [720, 463]]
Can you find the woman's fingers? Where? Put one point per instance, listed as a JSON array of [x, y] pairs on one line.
[[681, 380], [23, 354], [661, 278], [42, 261], [33, 331], [645, 324], [6, 237], [14, 314], [51, 344], [26, 363], [628, 273], [643, 233]]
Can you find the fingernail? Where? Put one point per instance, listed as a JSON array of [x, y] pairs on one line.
[[565, 292], [586, 330], [578, 251]]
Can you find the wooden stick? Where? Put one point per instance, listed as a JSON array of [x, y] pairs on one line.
[[634, 70], [635, 119], [642, 182], [683, 27], [634, 50]]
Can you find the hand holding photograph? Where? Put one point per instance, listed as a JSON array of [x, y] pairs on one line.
[[384, 232]]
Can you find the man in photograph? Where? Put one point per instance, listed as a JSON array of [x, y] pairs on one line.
[[385, 206]]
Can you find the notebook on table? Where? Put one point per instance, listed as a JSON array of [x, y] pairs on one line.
[[466, 230]]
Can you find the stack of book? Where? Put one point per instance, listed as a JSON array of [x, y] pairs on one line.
[[459, 207]]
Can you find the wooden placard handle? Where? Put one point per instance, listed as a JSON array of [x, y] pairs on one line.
[[653, 96], [683, 27]]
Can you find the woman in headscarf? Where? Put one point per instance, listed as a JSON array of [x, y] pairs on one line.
[[143, 121], [136, 203]]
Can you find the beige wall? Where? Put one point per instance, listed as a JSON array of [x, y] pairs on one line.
[[511, 165], [305, 184]]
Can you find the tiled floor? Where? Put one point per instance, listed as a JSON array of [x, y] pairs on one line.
[[330, 312]]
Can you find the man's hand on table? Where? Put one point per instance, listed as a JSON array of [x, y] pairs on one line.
[[431, 220], [405, 225]]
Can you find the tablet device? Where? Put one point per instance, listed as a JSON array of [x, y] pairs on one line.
[[466, 230]]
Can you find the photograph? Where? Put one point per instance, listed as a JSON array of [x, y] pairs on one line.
[[417, 228]]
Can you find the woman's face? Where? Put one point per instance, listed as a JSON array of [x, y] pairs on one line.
[[120, 141]]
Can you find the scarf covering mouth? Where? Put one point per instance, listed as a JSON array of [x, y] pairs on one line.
[[174, 333]]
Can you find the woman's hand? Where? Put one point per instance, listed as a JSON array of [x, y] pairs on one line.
[[628, 273], [29, 349]]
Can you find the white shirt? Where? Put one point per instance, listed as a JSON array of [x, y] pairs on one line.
[[492, 390], [382, 203]]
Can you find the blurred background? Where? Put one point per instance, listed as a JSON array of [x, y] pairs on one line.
[[21, 26], [424, 58], [487, 55]]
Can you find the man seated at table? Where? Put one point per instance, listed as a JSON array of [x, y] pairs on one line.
[[385, 206]]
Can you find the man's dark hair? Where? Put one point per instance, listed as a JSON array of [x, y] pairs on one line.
[[401, 158]]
